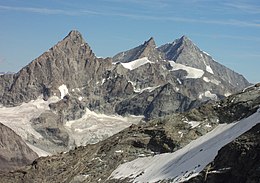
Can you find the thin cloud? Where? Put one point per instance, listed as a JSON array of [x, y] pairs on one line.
[[248, 8], [151, 3], [48, 11], [242, 38]]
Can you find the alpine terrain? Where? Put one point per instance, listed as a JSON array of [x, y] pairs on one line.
[[147, 114]]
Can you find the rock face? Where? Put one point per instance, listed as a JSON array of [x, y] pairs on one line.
[[148, 49], [95, 163], [154, 76], [185, 52], [65, 63], [14, 153]]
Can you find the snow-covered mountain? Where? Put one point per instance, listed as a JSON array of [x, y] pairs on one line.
[[68, 97]]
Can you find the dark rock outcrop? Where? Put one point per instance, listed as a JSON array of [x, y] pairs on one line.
[[14, 152]]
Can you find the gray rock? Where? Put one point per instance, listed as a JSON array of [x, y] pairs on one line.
[[185, 52], [14, 152]]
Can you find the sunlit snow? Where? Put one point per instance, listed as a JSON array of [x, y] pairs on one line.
[[93, 127], [214, 81], [18, 118], [208, 94], [208, 69], [188, 161], [192, 72], [136, 63], [63, 90]]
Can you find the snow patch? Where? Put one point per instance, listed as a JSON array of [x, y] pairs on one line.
[[188, 161], [93, 127], [63, 90], [192, 72], [227, 94], [40, 152], [208, 94], [80, 98], [181, 134], [193, 124], [208, 125], [208, 69], [103, 81], [139, 90], [214, 81], [149, 89], [136, 63], [206, 53], [18, 118], [119, 151], [179, 81]]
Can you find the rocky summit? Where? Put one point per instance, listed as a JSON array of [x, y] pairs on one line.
[[100, 116]]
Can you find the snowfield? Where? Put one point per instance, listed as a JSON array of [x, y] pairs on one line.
[[18, 119], [136, 63], [192, 72], [93, 127], [188, 161]]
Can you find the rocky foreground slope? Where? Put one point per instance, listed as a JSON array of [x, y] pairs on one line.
[[96, 162], [238, 161]]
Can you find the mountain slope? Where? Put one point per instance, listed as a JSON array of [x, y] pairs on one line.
[[14, 153], [185, 52], [236, 162], [64, 63], [147, 49], [95, 163]]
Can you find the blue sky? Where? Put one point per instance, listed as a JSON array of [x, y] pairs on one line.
[[229, 30]]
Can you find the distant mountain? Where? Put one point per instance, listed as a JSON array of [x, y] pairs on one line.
[[2, 73], [68, 97], [148, 49], [184, 51]]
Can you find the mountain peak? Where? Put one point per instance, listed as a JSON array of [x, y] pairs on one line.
[[74, 33], [150, 43], [75, 36], [185, 39], [147, 49]]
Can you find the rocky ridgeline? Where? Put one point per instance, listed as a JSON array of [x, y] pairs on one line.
[[157, 87]]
